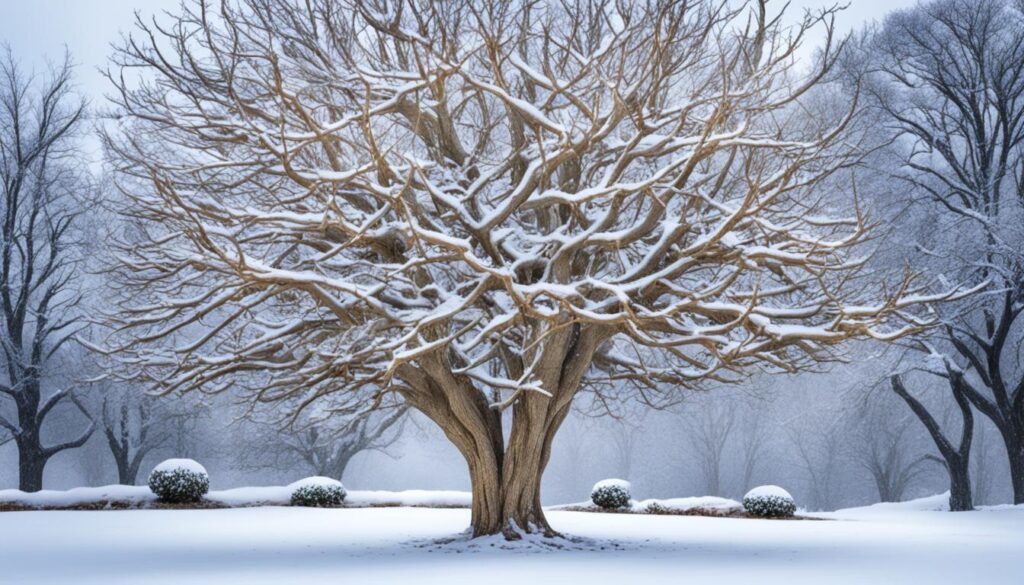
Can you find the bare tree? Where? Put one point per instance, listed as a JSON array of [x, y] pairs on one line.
[[754, 438], [624, 438], [39, 179], [818, 449], [956, 458], [325, 448], [487, 207], [885, 450], [708, 426], [133, 427], [951, 81]]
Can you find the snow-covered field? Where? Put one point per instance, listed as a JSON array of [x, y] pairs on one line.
[[904, 543]]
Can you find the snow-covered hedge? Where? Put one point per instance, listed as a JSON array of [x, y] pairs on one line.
[[318, 492], [179, 481], [611, 494], [769, 501]]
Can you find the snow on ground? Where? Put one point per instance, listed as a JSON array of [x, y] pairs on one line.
[[880, 544], [710, 504], [141, 496]]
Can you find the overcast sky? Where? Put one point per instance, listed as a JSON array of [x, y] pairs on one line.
[[40, 29]]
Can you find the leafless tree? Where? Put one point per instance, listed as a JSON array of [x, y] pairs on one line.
[[39, 178], [950, 78], [324, 448], [818, 449], [884, 448], [754, 440], [134, 428], [956, 458], [708, 426], [487, 207]]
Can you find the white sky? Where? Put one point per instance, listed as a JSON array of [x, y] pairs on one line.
[[40, 29]]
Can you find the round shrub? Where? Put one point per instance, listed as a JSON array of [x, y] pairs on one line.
[[769, 501], [179, 481], [611, 494], [318, 492]]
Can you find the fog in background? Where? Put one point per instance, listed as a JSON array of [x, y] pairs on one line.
[[811, 433]]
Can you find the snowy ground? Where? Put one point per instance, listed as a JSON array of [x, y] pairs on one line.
[[882, 544]]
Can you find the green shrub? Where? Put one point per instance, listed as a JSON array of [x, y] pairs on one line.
[[318, 492], [179, 481], [769, 501], [611, 494]]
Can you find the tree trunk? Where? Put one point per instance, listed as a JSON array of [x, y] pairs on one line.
[[31, 462], [507, 500], [960, 498], [1015, 452]]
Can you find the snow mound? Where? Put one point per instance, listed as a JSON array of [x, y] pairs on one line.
[[612, 483], [275, 495], [184, 464], [271, 495], [411, 498], [315, 481], [713, 504], [765, 491], [131, 494]]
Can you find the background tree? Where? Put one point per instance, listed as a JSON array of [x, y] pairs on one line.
[[949, 78], [708, 426], [884, 446], [40, 179], [326, 447], [956, 458], [487, 207], [134, 426]]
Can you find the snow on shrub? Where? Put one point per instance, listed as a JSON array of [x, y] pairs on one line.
[[769, 501], [318, 492], [611, 493], [179, 481]]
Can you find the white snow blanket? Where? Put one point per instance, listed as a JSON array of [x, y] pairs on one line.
[[185, 464], [140, 497], [376, 546], [715, 504]]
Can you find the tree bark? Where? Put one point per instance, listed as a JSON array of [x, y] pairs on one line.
[[955, 458], [960, 496], [1015, 454], [31, 462]]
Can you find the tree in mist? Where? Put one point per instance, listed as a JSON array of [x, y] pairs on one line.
[[949, 77], [487, 207], [40, 179], [883, 447], [818, 449], [708, 426], [956, 457], [754, 436], [326, 447], [134, 425]]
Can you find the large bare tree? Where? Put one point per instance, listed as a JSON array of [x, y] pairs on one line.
[[487, 207], [949, 78], [39, 181]]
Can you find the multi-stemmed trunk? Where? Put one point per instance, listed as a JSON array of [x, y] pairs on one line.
[[505, 474]]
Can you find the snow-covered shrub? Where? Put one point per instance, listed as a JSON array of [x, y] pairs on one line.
[[656, 508], [769, 501], [179, 480], [611, 493], [318, 492]]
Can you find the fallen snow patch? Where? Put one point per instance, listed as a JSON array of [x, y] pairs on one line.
[[142, 497]]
